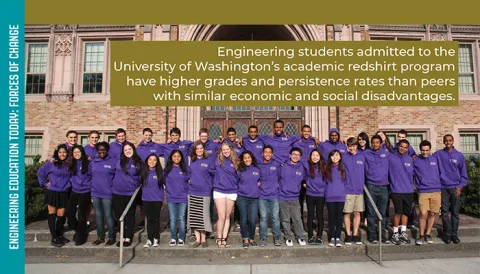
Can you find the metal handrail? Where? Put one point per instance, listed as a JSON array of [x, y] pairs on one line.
[[122, 223], [380, 218]]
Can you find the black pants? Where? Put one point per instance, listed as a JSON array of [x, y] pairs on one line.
[[315, 204], [152, 212], [450, 203], [236, 215], [120, 202], [83, 200], [335, 219], [301, 199]]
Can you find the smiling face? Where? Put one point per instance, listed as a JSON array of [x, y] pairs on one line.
[[176, 158], [128, 151], [352, 149], [226, 151], [267, 154], [448, 142], [253, 133], [147, 137], [335, 158], [199, 150], [306, 133], [402, 149], [334, 137], [376, 144], [315, 157], [247, 159], [295, 156], [231, 136], [72, 139], [77, 154], [401, 136], [62, 154], [425, 151], [120, 137], [152, 162], [93, 138], [175, 137], [204, 137], [362, 142], [102, 152], [278, 128]]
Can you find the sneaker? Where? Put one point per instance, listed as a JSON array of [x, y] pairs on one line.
[[332, 242], [301, 242], [237, 225], [289, 242], [396, 238], [338, 243], [373, 241], [110, 242], [428, 239], [319, 241], [263, 243], [155, 242], [181, 242], [98, 241], [404, 238], [127, 242], [447, 239], [173, 242], [358, 239], [245, 245], [311, 241], [88, 224], [148, 244], [386, 241], [57, 242], [455, 240], [348, 240], [420, 240], [276, 242], [64, 240]]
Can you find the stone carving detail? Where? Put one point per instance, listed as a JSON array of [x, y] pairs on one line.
[[183, 31], [59, 97], [321, 31], [438, 37], [64, 27], [63, 44]]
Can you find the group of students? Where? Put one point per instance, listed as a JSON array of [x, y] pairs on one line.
[[266, 175]]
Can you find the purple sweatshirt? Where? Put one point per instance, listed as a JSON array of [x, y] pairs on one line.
[[238, 150], [201, 177], [115, 149], [411, 152], [81, 183], [453, 170], [329, 145], [254, 146], [152, 191], [184, 146], [145, 149], [102, 172], [281, 144], [125, 184], [176, 184], [376, 168], [290, 178], [306, 146], [248, 182], [225, 179], [211, 148], [269, 179], [336, 191], [427, 174], [355, 172], [59, 178], [400, 173], [90, 151], [316, 186]]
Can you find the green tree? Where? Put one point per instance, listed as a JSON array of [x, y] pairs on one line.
[[470, 198], [34, 194]]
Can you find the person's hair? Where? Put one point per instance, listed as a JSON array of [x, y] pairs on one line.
[[147, 129], [137, 161], [58, 163], [242, 166], [352, 141], [364, 136], [193, 153], [83, 159], [252, 126], [306, 126], [146, 170], [402, 131], [102, 144], [70, 132], [267, 146], [377, 137], [182, 164], [311, 164], [176, 130], [233, 156], [231, 129], [403, 142], [341, 168], [388, 145], [295, 149], [447, 135], [203, 130], [120, 130], [278, 121], [425, 143], [94, 132]]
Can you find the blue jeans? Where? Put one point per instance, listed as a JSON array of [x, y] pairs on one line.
[[380, 198], [103, 208], [248, 208], [269, 207], [178, 213]]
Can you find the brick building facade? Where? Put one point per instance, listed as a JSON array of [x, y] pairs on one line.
[[68, 86]]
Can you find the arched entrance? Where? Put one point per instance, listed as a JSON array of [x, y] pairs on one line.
[[219, 119]]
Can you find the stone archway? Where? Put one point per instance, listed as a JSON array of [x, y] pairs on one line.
[[191, 119]]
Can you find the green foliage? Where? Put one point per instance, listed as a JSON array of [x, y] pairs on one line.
[[470, 197], [34, 194]]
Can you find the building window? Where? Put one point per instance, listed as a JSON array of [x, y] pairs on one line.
[[217, 108], [264, 108], [36, 68], [466, 68], [414, 138], [287, 108], [240, 108], [469, 143], [33, 147], [93, 67]]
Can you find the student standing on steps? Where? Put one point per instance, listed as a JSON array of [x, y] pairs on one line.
[[427, 180], [116, 146], [454, 177], [400, 174], [55, 177], [93, 137], [152, 197], [335, 195]]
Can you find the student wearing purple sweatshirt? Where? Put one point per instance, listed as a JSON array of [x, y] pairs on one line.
[[80, 198], [354, 163], [176, 183], [102, 170], [225, 187], [363, 142], [248, 194], [211, 146], [55, 177], [117, 145], [281, 143], [200, 190], [152, 197], [125, 182], [147, 147], [335, 195], [71, 140], [454, 177], [376, 175], [291, 175], [232, 140], [253, 143], [402, 135], [268, 203], [385, 141], [427, 180], [174, 143], [400, 176], [93, 137], [334, 142], [315, 195]]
